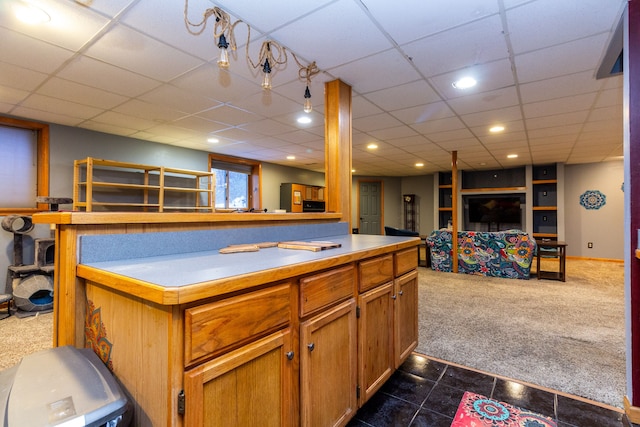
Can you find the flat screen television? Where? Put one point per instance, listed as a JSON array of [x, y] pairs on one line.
[[495, 209]]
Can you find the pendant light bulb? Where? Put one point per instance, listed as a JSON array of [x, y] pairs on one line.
[[266, 69], [223, 61], [307, 101]]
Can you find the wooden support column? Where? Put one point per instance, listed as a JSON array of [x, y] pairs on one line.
[[337, 145], [454, 211]]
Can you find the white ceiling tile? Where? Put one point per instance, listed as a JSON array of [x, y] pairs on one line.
[[72, 109], [137, 52], [10, 96], [268, 127], [403, 96], [509, 118], [71, 25], [559, 60], [557, 120], [340, 26], [75, 92], [180, 100], [411, 19], [490, 76], [20, 78], [469, 45], [488, 104], [47, 116], [439, 125], [558, 87], [34, 54], [208, 80], [393, 133], [376, 72], [559, 105], [229, 115], [423, 113], [377, 122], [554, 22], [91, 72]]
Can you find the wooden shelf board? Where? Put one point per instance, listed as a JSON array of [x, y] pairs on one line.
[[544, 208], [544, 181], [541, 235], [445, 209], [123, 185], [189, 190], [492, 190]]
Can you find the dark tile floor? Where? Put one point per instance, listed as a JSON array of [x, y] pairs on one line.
[[425, 392]]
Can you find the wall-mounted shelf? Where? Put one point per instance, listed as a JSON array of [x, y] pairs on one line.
[[108, 185]]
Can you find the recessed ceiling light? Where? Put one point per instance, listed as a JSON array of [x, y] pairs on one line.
[[496, 129], [213, 140], [291, 157], [419, 164], [30, 13], [512, 156], [464, 83], [304, 120], [372, 146]]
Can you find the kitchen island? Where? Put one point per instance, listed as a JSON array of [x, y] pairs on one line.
[[274, 337]]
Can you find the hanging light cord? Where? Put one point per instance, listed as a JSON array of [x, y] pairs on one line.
[[270, 50], [222, 26], [306, 72]]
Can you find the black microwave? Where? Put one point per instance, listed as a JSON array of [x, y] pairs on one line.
[[313, 206]]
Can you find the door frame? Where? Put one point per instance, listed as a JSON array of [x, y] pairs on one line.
[[381, 201]]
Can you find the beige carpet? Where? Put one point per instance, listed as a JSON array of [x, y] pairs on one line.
[[22, 336], [567, 336]]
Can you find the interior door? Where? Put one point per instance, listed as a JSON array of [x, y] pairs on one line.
[[370, 207]]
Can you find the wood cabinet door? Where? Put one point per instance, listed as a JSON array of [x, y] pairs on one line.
[[406, 316], [328, 367], [375, 342], [251, 386]]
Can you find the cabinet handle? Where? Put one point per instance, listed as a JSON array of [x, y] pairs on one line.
[[290, 355], [393, 296], [311, 346], [400, 293]]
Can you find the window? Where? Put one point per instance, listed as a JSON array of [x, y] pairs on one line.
[[237, 182], [24, 165]]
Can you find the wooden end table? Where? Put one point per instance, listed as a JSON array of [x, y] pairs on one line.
[[551, 249]]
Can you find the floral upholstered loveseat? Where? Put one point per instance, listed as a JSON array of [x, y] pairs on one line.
[[496, 253]]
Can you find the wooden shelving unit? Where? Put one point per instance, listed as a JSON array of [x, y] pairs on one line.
[[445, 206], [545, 200], [108, 185]]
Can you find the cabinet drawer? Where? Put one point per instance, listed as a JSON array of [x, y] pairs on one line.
[[218, 326], [406, 260], [324, 289], [375, 271]]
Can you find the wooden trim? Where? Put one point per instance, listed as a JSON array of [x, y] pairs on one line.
[[621, 261], [255, 178], [632, 412], [42, 158]]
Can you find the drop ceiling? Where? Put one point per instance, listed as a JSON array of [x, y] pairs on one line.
[[131, 68]]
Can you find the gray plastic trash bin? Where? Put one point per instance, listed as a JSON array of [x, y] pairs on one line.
[[62, 386]]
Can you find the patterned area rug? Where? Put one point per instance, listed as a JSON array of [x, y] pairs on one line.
[[476, 410]]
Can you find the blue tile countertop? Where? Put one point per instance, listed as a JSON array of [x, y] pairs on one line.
[[184, 277]]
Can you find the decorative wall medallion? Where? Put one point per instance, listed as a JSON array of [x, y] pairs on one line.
[[593, 199], [95, 335]]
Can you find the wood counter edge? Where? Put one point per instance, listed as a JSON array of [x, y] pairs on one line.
[[213, 288], [63, 217]]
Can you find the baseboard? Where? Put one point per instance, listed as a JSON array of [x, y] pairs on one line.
[[582, 258], [633, 412]]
